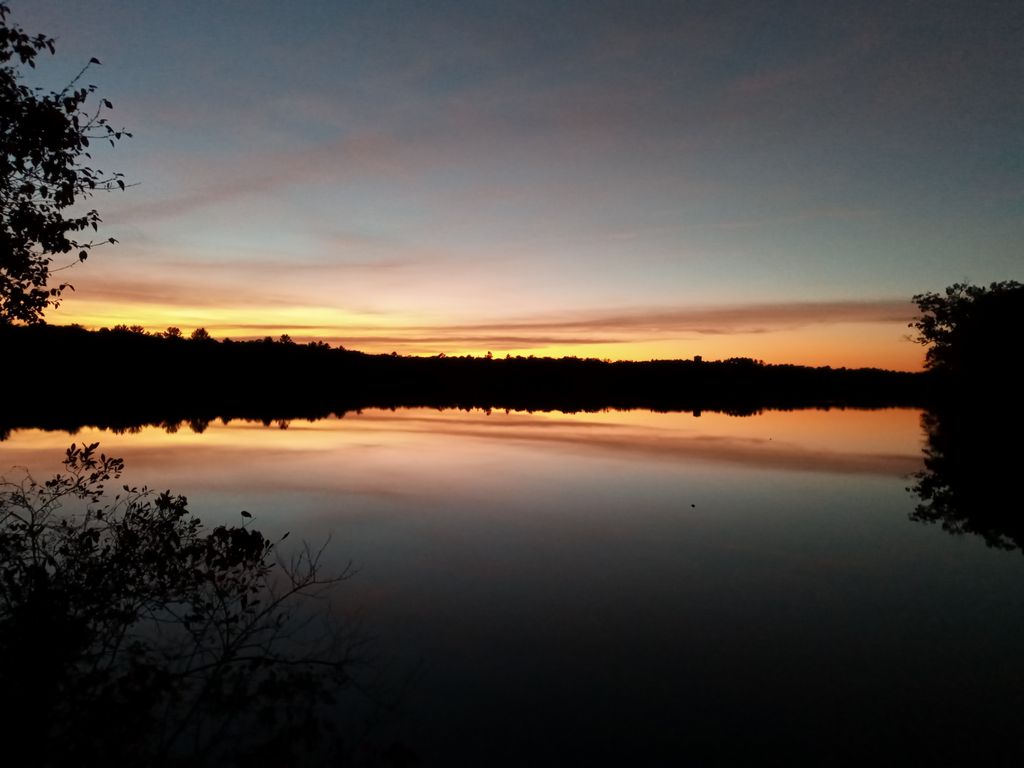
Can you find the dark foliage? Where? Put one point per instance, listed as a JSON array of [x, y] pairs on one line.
[[975, 336], [44, 169], [177, 379], [973, 333], [966, 486], [130, 634]]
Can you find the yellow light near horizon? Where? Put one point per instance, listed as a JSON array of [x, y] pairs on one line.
[[851, 345], [863, 345], [222, 322]]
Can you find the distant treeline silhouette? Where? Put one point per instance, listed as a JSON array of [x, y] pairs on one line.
[[64, 377]]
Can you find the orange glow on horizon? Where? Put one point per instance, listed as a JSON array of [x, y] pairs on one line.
[[836, 344]]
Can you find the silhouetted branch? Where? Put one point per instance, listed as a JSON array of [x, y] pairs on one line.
[[179, 635]]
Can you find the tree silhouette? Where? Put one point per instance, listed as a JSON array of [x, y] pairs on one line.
[[44, 151], [968, 484], [974, 336], [131, 634], [971, 331]]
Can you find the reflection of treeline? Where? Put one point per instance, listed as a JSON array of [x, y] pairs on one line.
[[67, 376], [969, 465]]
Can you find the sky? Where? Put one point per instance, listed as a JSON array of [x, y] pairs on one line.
[[621, 180]]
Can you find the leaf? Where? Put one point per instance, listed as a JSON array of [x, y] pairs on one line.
[[94, 60], [246, 514], [83, 255]]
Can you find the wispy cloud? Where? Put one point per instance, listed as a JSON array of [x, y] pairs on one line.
[[749, 318], [249, 174], [802, 217], [230, 283]]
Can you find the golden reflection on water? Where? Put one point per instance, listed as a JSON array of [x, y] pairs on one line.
[[387, 445]]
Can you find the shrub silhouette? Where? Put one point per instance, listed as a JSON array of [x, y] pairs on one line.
[[133, 634]]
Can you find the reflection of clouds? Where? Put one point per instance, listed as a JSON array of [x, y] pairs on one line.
[[291, 469], [647, 442], [504, 421], [661, 445], [417, 455]]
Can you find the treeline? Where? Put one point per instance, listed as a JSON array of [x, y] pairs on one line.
[[67, 377]]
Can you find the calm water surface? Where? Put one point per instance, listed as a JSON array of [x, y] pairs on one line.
[[637, 587]]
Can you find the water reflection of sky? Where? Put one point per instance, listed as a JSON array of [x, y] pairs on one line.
[[382, 443], [372, 463], [654, 581]]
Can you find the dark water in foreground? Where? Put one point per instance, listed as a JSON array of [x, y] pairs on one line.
[[634, 587]]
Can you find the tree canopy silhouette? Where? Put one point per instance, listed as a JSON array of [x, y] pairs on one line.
[[972, 332], [974, 336], [44, 169]]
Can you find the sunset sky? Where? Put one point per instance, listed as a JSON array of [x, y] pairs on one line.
[[618, 180]]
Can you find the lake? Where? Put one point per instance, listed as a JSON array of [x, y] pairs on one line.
[[633, 587]]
